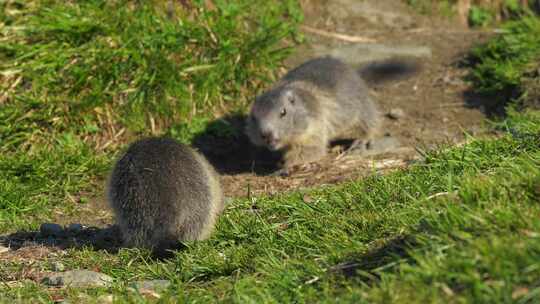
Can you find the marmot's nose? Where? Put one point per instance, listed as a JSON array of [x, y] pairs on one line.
[[267, 136]]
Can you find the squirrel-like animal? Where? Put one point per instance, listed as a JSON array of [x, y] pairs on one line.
[[162, 193], [320, 101]]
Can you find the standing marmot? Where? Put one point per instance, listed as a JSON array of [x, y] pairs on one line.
[[163, 192], [320, 101]]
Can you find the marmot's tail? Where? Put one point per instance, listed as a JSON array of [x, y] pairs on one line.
[[379, 72]]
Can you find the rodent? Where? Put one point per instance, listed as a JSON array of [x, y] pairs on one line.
[[162, 193], [320, 101]]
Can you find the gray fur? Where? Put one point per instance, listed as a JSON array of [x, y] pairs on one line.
[[163, 192], [320, 101]]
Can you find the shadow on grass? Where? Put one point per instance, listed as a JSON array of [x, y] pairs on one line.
[[526, 94], [492, 105], [368, 267], [108, 239], [225, 145]]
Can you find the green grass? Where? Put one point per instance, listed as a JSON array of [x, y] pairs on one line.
[[461, 227], [90, 66], [500, 65], [78, 80]]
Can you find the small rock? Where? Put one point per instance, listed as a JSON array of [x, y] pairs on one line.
[[75, 228], [396, 113], [382, 145], [57, 266], [155, 285], [78, 278], [3, 249], [51, 229]]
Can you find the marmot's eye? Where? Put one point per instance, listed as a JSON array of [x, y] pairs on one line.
[[283, 112]]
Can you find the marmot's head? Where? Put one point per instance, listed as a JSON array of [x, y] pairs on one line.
[[278, 116]]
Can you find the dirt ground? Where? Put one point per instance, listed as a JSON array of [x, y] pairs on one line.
[[434, 107]]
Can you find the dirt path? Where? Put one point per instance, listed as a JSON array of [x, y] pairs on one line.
[[433, 107]]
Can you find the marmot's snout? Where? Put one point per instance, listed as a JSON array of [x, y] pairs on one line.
[[270, 139]]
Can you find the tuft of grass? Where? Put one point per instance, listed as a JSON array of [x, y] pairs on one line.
[[95, 67], [79, 79], [35, 184], [480, 16], [500, 65]]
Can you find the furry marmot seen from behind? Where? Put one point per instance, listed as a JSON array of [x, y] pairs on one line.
[[162, 193]]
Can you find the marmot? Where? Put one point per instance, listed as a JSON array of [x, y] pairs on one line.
[[163, 192], [320, 101]]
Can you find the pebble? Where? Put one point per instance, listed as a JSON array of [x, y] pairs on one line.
[[51, 229], [396, 113], [383, 145], [78, 278]]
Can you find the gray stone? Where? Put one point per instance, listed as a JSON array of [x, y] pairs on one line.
[[396, 113], [58, 266], [383, 145], [361, 53], [51, 229], [78, 278], [75, 228], [154, 285], [375, 12]]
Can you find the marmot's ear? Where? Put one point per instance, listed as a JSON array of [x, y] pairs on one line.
[[290, 96]]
